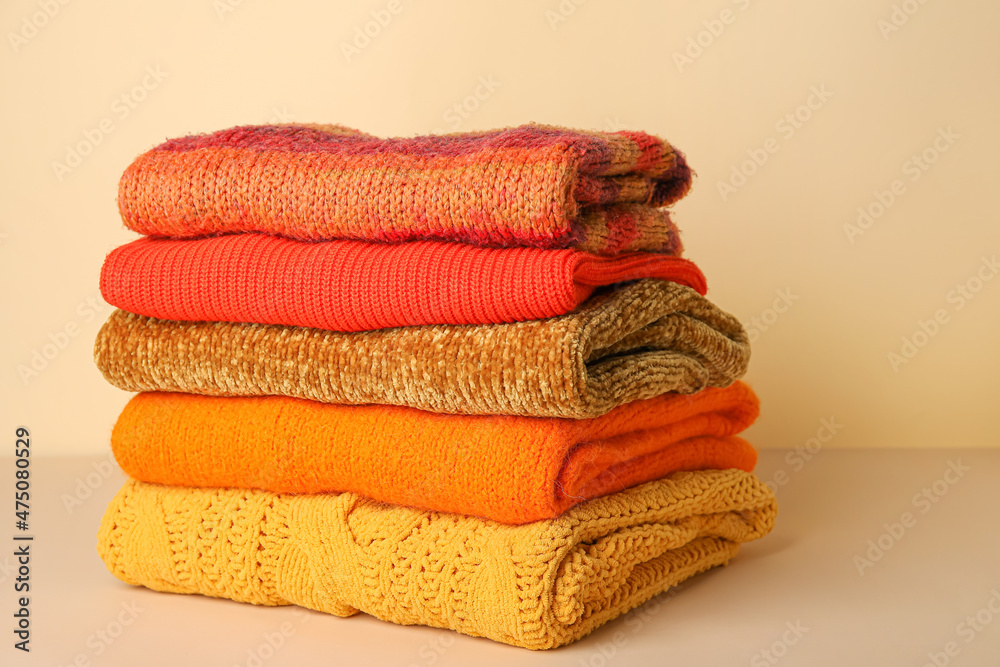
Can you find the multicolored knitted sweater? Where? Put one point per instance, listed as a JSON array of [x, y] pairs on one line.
[[533, 185]]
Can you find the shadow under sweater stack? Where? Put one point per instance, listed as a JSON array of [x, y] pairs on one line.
[[463, 381]]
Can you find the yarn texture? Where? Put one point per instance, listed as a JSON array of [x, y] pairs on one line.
[[636, 342], [538, 586], [509, 469], [533, 185], [360, 286]]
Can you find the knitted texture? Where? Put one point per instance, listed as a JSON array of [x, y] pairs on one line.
[[538, 586], [509, 469], [359, 286], [533, 185], [645, 339]]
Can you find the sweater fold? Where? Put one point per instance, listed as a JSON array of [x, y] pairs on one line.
[[538, 586], [636, 342], [533, 185], [506, 468], [361, 286]]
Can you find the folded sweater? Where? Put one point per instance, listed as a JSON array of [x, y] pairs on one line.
[[640, 341], [533, 185], [509, 469], [540, 585], [360, 286]]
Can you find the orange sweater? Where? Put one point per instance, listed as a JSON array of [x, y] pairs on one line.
[[360, 286], [511, 469]]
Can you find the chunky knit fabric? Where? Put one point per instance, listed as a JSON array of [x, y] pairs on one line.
[[359, 286], [640, 341], [509, 469], [533, 185], [538, 586]]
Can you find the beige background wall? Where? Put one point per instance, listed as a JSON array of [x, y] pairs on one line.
[[121, 76]]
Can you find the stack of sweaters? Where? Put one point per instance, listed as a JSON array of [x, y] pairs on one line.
[[462, 381]]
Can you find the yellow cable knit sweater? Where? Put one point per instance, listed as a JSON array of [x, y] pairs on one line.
[[538, 585]]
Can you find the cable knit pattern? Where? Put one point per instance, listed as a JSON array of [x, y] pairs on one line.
[[509, 469], [637, 342], [532, 185], [359, 286], [539, 586]]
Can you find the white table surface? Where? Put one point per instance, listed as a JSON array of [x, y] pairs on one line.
[[913, 604]]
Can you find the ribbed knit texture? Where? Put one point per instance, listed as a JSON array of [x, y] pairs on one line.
[[509, 469], [538, 586], [360, 286], [637, 342], [533, 185]]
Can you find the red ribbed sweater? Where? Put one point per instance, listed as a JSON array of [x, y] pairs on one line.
[[360, 286]]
